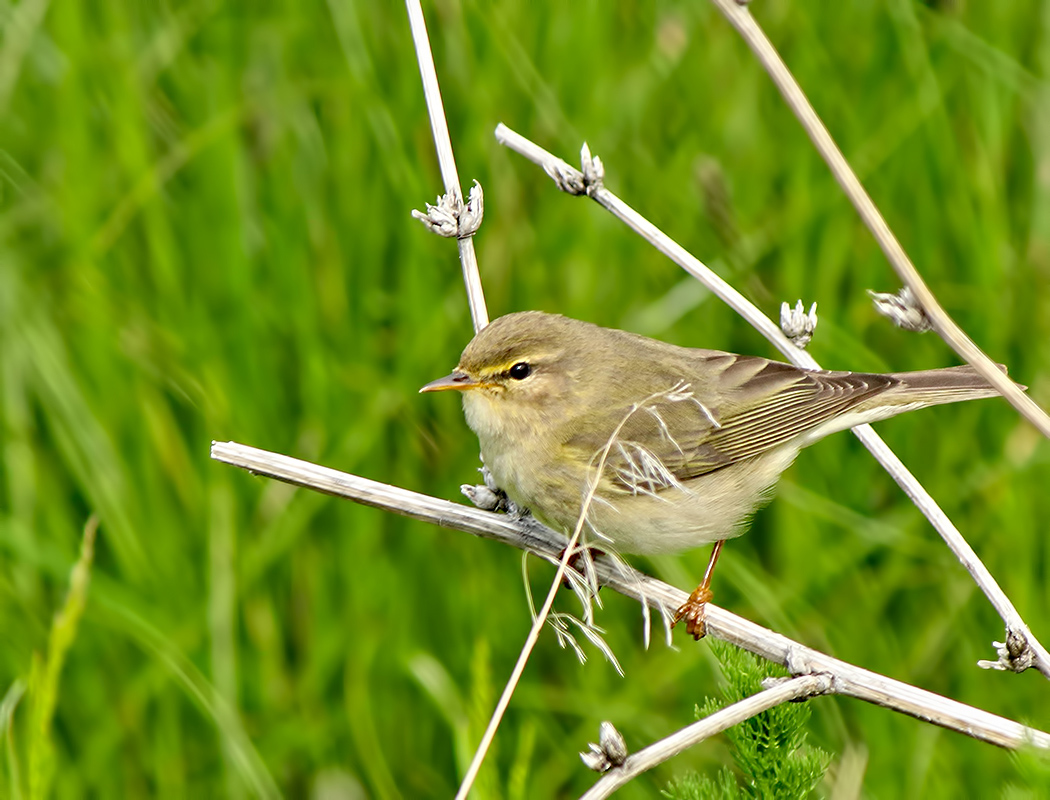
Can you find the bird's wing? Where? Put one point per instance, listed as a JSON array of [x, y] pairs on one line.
[[738, 407]]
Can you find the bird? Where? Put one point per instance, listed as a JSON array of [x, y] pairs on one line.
[[659, 448]]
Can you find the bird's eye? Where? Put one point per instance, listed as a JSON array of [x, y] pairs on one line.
[[520, 371]]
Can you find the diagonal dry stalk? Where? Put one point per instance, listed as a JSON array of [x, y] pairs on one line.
[[740, 18], [528, 534], [545, 610], [1021, 650], [794, 689]]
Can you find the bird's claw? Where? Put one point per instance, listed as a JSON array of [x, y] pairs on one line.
[[693, 612]]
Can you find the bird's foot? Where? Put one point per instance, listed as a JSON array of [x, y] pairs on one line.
[[693, 612]]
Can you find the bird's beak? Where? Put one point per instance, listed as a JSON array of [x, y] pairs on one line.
[[457, 381]]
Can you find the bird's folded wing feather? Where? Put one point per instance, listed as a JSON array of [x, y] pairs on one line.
[[736, 408]]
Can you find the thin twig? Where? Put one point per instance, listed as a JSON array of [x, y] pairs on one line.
[[523, 657], [447, 161], [527, 534], [1021, 649], [741, 19], [681, 740], [515, 676], [537, 624]]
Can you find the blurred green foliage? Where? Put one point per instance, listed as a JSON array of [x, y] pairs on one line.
[[205, 234]]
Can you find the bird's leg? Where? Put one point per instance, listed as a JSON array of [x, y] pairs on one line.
[[692, 610]]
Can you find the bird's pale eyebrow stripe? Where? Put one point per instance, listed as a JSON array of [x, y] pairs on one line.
[[504, 367], [532, 359]]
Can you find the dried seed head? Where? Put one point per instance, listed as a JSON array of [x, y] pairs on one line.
[[902, 309], [797, 325], [611, 751]]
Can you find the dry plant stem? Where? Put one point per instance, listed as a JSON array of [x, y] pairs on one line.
[[533, 637], [666, 749], [1024, 650], [480, 317], [658, 239], [446, 160], [515, 675], [527, 534], [745, 24], [537, 624]]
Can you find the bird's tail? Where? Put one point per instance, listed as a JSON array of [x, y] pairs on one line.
[[946, 385]]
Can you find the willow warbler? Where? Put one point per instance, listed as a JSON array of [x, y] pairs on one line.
[[680, 445]]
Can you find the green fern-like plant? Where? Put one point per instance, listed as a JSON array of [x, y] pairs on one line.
[[770, 750]]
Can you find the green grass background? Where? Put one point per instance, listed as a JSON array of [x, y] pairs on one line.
[[205, 234]]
